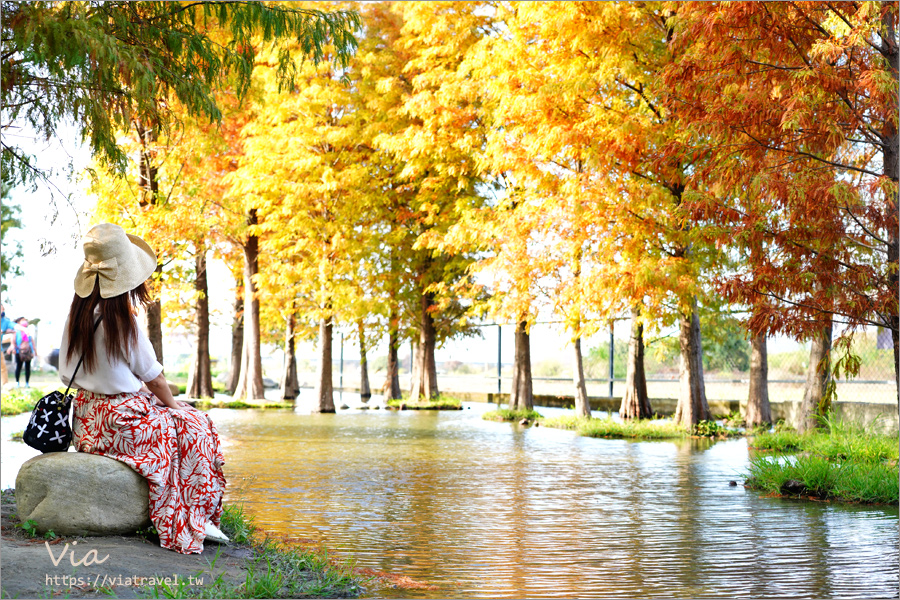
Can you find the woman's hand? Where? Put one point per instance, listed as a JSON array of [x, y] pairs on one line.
[[160, 388]]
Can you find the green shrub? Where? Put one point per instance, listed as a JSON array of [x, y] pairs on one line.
[[712, 429], [19, 400]]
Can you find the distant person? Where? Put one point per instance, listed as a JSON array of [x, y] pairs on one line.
[[53, 358], [124, 409], [24, 350], [6, 338], [8, 330]]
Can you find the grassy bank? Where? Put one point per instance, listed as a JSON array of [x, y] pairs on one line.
[[276, 569], [839, 462], [19, 400], [440, 403]]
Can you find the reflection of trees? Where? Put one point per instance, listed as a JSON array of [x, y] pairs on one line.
[[740, 545], [520, 513], [518, 523], [660, 541]]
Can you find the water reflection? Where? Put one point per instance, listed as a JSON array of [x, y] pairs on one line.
[[482, 509]]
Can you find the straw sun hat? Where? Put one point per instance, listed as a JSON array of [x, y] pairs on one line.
[[120, 260]]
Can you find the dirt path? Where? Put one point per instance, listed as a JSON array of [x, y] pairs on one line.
[[36, 568]]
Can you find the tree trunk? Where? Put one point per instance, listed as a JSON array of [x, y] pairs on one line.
[[242, 370], [148, 182], [365, 392], [635, 401], [251, 373], [891, 166], [692, 405], [391, 388], [522, 395], [200, 384], [237, 342], [153, 318], [582, 404], [758, 412], [290, 386], [425, 377], [325, 385], [816, 394]]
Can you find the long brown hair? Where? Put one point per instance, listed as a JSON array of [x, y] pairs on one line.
[[119, 324]]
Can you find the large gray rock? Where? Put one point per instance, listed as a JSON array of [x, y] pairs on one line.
[[74, 493]]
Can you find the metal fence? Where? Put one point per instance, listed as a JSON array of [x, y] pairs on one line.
[[484, 364]]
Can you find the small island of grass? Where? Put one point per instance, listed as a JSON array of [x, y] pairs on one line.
[[644, 429], [840, 462], [438, 403], [505, 414], [647, 429], [206, 404]]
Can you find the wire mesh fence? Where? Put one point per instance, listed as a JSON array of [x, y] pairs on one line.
[[484, 364]]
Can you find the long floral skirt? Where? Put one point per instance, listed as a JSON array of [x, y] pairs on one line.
[[176, 451]]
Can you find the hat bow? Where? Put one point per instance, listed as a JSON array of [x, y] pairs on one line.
[[107, 269]]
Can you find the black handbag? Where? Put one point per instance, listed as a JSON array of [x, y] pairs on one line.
[[49, 429]]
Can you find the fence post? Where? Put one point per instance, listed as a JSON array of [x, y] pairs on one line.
[[612, 352], [499, 364], [341, 378]]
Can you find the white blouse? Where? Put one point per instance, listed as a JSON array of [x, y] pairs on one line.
[[110, 376]]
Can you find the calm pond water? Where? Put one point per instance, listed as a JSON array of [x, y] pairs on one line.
[[478, 509]]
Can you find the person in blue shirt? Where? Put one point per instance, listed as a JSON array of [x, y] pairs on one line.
[[6, 326], [6, 338], [25, 351]]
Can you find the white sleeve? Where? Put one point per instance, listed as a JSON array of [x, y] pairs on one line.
[[143, 361]]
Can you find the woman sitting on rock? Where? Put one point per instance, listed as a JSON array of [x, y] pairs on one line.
[[124, 409]]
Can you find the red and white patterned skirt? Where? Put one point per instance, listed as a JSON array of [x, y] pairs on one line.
[[176, 451]]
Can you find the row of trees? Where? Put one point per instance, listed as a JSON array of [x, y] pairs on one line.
[[659, 159]]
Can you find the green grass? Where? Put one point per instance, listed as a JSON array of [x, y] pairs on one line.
[[841, 462], [712, 429], [779, 441], [505, 414], [208, 404], [838, 441], [19, 400], [439, 403], [236, 524], [647, 429], [277, 570], [849, 481]]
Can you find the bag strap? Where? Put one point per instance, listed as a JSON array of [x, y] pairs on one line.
[[80, 360]]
